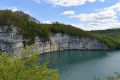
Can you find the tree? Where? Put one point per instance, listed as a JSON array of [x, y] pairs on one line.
[[13, 67]]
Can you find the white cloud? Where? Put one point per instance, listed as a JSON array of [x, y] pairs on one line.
[[68, 13], [37, 1], [13, 8], [28, 12], [47, 22], [104, 19], [102, 0], [101, 17], [114, 7], [68, 3], [16, 9], [97, 26]]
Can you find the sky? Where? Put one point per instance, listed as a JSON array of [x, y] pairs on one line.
[[84, 14]]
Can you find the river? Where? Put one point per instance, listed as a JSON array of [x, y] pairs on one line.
[[83, 65]]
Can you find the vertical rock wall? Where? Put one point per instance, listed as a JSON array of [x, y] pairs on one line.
[[10, 41], [64, 41]]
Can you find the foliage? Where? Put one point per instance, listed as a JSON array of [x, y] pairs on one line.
[[68, 29], [111, 37], [29, 26], [112, 43], [12, 67], [113, 33]]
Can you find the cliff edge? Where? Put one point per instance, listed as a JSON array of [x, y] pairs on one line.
[[10, 41]]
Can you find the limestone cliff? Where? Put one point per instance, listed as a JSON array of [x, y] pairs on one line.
[[60, 41], [10, 41]]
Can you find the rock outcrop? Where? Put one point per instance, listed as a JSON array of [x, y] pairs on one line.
[[10, 41]]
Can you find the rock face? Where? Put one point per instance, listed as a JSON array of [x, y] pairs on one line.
[[64, 41], [11, 42]]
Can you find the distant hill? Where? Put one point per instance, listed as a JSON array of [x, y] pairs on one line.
[[113, 33]]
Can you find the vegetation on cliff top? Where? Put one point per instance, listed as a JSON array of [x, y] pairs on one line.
[[113, 33], [30, 28]]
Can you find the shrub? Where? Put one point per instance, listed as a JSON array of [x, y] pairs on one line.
[[14, 67]]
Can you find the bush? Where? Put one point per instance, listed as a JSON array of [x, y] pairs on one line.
[[14, 67]]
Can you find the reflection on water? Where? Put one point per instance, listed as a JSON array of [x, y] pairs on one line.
[[83, 65]]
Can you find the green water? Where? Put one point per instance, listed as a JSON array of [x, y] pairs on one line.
[[84, 65]]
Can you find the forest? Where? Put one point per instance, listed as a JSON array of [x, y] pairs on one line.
[[113, 33], [31, 27]]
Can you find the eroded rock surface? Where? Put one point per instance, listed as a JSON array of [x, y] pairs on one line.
[[10, 41]]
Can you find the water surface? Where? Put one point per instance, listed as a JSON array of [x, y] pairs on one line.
[[83, 65]]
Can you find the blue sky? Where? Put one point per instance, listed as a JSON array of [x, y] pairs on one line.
[[85, 14]]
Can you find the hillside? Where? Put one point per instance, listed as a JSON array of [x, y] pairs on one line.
[[31, 27], [113, 33]]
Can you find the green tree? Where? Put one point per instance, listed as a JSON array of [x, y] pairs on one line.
[[13, 67]]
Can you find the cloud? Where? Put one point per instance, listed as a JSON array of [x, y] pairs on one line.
[[68, 13], [103, 19], [16, 9], [28, 12], [97, 26], [37, 1], [114, 7], [13, 8], [47, 22], [102, 0], [68, 3]]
